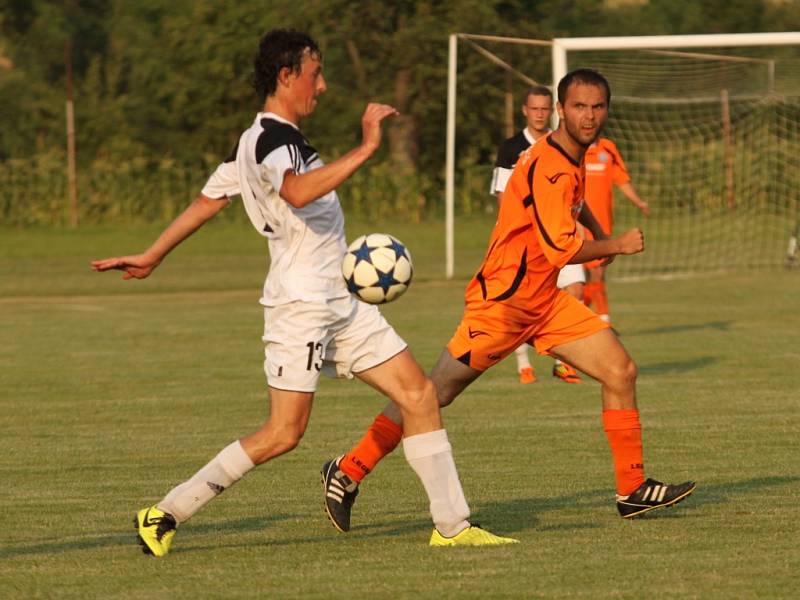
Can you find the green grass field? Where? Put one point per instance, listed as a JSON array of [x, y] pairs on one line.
[[111, 392]]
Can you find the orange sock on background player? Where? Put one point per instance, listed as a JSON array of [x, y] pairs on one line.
[[624, 433], [600, 299], [381, 438], [589, 290]]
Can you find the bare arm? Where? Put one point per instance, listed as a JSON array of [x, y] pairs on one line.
[[139, 266], [630, 193], [630, 242], [299, 190]]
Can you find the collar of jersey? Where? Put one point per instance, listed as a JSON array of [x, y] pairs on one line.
[[274, 117], [529, 137]]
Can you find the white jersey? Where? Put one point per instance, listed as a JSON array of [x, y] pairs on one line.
[[306, 245]]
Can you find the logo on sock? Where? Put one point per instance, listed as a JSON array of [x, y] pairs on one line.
[[215, 487]]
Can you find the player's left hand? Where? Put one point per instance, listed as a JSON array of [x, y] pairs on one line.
[[136, 266], [645, 208]]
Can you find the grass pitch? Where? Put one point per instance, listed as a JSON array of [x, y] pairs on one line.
[[111, 392]]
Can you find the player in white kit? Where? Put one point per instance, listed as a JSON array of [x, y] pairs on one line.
[[311, 323]]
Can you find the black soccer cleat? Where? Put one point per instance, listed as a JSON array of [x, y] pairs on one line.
[[340, 493], [653, 494]]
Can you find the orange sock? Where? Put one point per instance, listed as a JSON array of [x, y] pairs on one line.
[[588, 293], [381, 438], [600, 298], [624, 433]]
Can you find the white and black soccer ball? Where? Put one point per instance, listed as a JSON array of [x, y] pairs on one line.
[[377, 268]]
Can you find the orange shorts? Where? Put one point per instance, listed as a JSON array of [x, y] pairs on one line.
[[488, 334]]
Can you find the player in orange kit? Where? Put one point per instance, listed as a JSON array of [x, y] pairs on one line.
[[604, 169], [513, 298]]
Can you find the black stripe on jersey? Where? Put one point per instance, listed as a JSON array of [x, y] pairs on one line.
[[482, 280], [277, 134], [523, 268], [528, 200], [543, 231], [564, 152], [232, 155]]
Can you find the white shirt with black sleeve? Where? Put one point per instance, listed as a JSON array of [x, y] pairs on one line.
[[507, 154], [306, 245]]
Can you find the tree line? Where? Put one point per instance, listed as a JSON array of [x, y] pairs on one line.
[[168, 80]]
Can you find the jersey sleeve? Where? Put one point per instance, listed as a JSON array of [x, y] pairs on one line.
[[224, 181], [619, 172], [553, 220], [278, 161], [503, 166]]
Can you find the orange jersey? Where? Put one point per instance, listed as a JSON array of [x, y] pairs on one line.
[[604, 169], [535, 234]]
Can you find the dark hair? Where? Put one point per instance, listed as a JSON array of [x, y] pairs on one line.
[[537, 90], [585, 76], [279, 49]]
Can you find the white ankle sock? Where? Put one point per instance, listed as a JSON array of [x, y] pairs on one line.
[[522, 357], [431, 457], [225, 469]]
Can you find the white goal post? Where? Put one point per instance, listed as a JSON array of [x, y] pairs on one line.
[[559, 49]]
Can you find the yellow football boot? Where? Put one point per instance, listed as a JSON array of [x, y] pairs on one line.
[[471, 536], [155, 530]]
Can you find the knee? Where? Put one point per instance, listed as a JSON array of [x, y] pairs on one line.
[[622, 374], [275, 439], [422, 398]]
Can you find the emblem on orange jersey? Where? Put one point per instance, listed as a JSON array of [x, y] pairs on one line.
[[555, 177]]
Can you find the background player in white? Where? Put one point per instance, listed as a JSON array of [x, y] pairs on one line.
[[537, 107], [311, 321]]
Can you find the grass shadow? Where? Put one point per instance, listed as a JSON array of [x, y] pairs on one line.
[[678, 366], [127, 538], [682, 328]]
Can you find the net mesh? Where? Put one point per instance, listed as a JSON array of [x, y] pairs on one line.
[[712, 144], [711, 139]]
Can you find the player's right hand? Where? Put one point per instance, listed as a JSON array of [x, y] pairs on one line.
[[631, 242], [137, 266], [371, 123]]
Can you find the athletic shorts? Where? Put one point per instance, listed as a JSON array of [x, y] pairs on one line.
[[338, 338], [570, 274], [488, 334]]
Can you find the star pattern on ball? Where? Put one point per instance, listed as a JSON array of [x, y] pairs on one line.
[[352, 286], [362, 254], [399, 249], [386, 280]]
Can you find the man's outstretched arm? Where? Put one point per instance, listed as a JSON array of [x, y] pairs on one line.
[[299, 190], [139, 266]]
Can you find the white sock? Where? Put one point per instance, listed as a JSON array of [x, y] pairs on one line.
[[522, 357], [225, 469], [431, 457]]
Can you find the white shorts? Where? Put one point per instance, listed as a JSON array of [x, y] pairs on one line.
[[337, 338], [570, 274]]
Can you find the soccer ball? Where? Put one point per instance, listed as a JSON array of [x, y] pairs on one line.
[[377, 268]]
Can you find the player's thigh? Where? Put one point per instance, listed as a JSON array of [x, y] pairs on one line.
[[599, 355], [597, 273], [451, 377], [290, 409], [398, 378], [365, 341]]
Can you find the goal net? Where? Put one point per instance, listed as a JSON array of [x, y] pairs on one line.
[[711, 139]]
